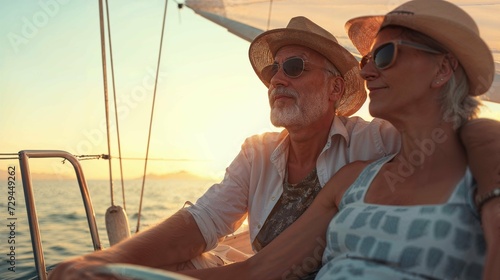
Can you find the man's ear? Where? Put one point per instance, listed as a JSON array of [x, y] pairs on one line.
[[337, 88]]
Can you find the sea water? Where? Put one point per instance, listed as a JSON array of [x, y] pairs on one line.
[[63, 223]]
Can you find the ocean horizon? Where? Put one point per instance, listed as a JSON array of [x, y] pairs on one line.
[[63, 223]]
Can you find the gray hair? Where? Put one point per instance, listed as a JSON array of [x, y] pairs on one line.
[[456, 104], [331, 68]]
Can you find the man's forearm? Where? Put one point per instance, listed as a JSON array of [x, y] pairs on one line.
[[175, 240]]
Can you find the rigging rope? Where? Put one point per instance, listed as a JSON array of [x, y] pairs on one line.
[[151, 118], [105, 83], [89, 157], [8, 156], [115, 103], [269, 14], [11, 156]]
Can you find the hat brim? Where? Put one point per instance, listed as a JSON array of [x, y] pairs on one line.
[[475, 56], [265, 46]]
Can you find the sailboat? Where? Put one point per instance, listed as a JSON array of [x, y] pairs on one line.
[[243, 19]]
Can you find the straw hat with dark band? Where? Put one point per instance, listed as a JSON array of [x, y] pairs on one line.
[[301, 31], [444, 22]]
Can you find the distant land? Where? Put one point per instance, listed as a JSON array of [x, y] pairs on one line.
[[181, 175], [37, 176]]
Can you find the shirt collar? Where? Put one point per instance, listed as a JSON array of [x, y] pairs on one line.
[[337, 128]]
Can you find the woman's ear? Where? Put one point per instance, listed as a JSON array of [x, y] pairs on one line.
[[447, 65]]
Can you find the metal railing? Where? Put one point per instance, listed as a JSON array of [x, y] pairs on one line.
[[36, 242]]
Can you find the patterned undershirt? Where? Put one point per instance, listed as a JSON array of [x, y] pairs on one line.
[[293, 202]]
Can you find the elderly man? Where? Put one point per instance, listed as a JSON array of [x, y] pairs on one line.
[[313, 86]]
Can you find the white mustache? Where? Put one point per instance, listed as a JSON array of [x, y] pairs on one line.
[[282, 91]]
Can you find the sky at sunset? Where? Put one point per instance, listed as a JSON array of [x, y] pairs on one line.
[[208, 98]]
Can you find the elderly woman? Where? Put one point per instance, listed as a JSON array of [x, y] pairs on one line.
[[412, 215], [415, 214]]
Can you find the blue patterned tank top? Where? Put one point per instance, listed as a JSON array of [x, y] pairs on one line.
[[370, 241]]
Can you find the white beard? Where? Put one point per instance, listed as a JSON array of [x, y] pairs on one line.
[[311, 109]]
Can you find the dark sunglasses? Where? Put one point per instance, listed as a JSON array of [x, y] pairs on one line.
[[384, 56], [292, 67]]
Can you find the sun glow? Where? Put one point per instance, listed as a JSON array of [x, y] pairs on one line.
[[208, 99]]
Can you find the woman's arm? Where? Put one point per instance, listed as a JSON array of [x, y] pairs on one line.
[[490, 217], [481, 139], [299, 249], [299, 246]]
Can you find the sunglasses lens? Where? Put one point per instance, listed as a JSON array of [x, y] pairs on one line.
[[384, 55], [293, 67]]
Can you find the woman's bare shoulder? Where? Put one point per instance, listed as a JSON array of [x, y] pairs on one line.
[[350, 171], [344, 178]]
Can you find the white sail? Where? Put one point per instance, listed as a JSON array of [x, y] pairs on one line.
[[239, 16]]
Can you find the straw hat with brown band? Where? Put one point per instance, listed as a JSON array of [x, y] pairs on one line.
[[444, 22], [302, 31]]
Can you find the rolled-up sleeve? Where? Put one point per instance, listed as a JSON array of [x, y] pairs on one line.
[[223, 208]]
